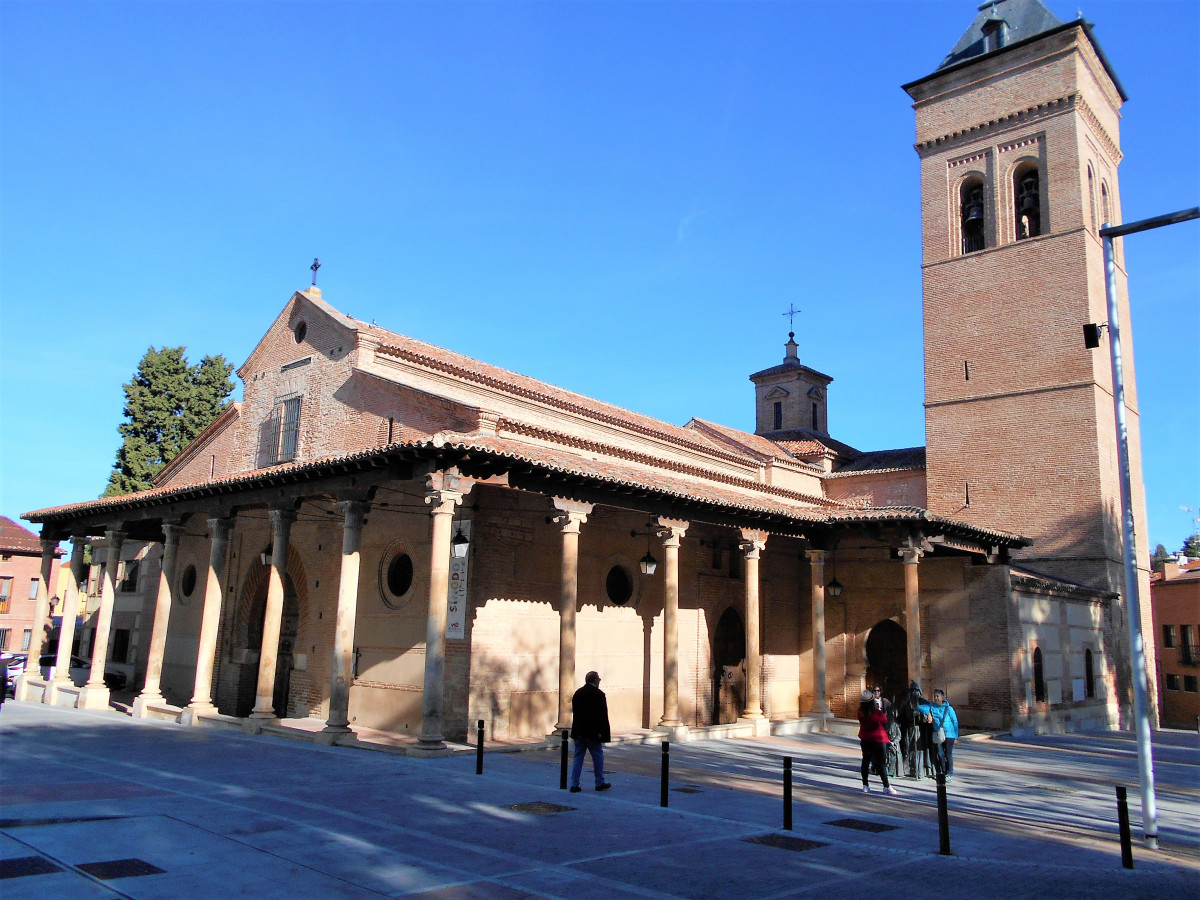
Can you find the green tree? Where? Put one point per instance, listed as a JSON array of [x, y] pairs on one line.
[[1160, 553], [1191, 547], [167, 404]]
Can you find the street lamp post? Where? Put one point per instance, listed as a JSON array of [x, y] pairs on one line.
[[1132, 600]]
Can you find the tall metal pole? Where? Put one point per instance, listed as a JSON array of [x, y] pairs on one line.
[[1132, 599], [1141, 709]]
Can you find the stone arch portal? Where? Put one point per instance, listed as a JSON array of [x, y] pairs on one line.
[[887, 659], [248, 631], [729, 663]]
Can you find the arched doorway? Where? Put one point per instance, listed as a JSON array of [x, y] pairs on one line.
[[248, 633], [887, 659], [729, 663]]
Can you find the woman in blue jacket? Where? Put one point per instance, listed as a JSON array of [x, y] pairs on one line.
[[941, 714]]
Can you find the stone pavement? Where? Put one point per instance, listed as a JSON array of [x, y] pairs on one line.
[[94, 804]]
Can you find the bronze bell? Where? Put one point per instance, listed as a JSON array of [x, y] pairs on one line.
[[974, 213], [1028, 202]]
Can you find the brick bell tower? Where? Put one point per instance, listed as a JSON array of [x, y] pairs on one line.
[[1017, 132]]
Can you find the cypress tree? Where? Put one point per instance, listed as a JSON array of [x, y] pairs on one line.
[[167, 403]]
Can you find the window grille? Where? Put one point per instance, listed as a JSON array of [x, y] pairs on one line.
[[26, 638], [778, 416], [33, 588], [120, 647], [289, 429], [1169, 636], [3, 638], [5, 593], [1189, 650]]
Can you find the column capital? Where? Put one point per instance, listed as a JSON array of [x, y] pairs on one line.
[[49, 545], [279, 515], [114, 536], [752, 543], [355, 512], [817, 557], [442, 502], [172, 532], [221, 525], [670, 530], [571, 514], [911, 555]]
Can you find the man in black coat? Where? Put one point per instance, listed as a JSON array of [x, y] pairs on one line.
[[589, 730]]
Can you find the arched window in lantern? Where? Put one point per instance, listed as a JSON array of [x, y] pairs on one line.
[[1105, 211], [1027, 191], [971, 215]]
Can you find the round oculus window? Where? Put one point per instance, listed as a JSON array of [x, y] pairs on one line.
[[300, 331], [618, 586], [396, 575]]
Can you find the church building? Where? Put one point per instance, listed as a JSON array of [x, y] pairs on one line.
[[390, 535]]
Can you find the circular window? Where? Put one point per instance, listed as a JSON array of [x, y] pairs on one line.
[[187, 584], [618, 586], [396, 577], [301, 330]]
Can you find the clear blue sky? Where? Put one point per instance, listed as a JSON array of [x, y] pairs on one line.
[[620, 198]]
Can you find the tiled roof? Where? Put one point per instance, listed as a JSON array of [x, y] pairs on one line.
[[883, 461], [16, 538], [551, 459], [413, 350], [744, 440], [805, 448], [805, 435]]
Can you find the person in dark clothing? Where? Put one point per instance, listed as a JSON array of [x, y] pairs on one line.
[[915, 760], [589, 730]]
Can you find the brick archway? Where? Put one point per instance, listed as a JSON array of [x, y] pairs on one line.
[[246, 642]]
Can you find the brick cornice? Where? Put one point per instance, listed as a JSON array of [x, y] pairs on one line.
[[1024, 117], [578, 443]]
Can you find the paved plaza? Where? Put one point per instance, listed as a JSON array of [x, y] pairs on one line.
[[95, 804]]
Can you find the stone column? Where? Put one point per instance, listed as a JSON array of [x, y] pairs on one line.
[[671, 531], [95, 694], [342, 668], [571, 516], [912, 610], [210, 621], [441, 501], [816, 559], [752, 545], [268, 656], [152, 690], [41, 611], [66, 633]]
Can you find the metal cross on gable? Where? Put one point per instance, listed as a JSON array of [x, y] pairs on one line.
[[791, 314], [316, 265]]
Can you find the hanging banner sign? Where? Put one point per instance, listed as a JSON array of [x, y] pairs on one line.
[[456, 608]]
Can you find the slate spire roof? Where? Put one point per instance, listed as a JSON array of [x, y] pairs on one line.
[[1023, 19]]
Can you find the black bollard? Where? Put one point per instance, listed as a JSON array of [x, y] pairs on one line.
[[562, 774], [1123, 822], [787, 793], [943, 816], [479, 749], [666, 773]]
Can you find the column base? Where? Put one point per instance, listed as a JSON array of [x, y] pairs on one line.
[[62, 693], [142, 701], [677, 733], [31, 687], [192, 713], [261, 714], [92, 696], [760, 724], [429, 749], [819, 708]]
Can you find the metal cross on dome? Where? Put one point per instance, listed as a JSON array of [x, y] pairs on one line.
[[316, 265], [791, 314]]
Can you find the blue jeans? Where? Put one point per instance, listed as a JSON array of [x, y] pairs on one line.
[[597, 750], [944, 756]]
